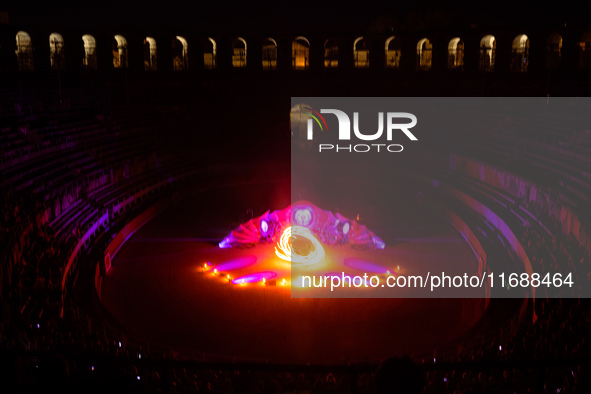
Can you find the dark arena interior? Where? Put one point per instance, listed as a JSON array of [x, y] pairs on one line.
[[134, 138]]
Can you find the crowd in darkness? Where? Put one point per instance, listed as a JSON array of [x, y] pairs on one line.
[[44, 347], [41, 349], [557, 252]]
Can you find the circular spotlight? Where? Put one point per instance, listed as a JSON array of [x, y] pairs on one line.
[[314, 254]]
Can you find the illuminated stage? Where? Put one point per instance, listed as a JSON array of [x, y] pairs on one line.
[[299, 235], [159, 289]]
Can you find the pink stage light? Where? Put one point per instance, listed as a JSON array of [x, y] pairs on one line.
[[256, 277], [365, 266], [342, 275], [329, 227]]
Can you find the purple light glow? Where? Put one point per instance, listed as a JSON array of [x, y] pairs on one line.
[[377, 241], [240, 262], [224, 244], [365, 266], [340, 275], [256, 277]]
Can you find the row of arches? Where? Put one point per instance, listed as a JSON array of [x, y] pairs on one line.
[[24, 52], [300, 52]]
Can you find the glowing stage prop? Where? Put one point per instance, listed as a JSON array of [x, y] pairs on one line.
[[287, 253], [323, 226]]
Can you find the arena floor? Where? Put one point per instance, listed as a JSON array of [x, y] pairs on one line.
[[157, 289]]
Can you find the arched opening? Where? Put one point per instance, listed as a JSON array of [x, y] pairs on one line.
[[150, 60], [520, 54], [119, 52], [488, 46], [300, 53], [239, 53], [553, 51], [455, 54], [56, 51], [585, 50], [424, 55], [180, 54], [210, 54], [298, 120], [361, 53], [331, 54], [393, 52], [24, 51], [89, 62], [269, 54]]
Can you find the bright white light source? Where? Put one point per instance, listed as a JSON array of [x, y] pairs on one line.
[[346, 228], [286, 252]]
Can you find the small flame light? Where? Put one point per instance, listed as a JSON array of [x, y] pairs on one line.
[[215, 271], [283, 283]]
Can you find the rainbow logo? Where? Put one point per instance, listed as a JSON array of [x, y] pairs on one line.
[[315, 115]]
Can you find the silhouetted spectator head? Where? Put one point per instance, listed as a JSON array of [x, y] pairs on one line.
[[399, 375]]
